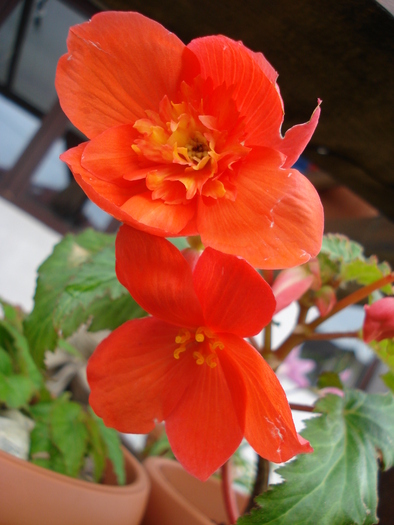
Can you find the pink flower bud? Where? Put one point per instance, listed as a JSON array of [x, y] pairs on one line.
[[379, 320], [290, 285], [325, 299]]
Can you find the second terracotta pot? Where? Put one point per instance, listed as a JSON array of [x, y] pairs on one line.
[[177, 498]]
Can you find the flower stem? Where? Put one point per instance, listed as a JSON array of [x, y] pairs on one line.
[[260, 483], [267, 339], [353, 298], [304, 332], [230, 502], [301, 408], [319, 336]]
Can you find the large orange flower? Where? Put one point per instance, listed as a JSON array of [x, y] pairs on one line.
[[188, 364], [186, 140]]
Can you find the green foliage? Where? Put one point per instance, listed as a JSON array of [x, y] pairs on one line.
[[329, 379], [341, 248], [343, 260], [65, 434], [69, 433], [337, 483], [20, 379], [77, 284], [385, 351], [388, 378], [110, 440]]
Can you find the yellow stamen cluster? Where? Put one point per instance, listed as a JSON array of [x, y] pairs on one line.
[[186, 338]]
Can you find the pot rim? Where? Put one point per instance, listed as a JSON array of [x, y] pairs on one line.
[[139, 482]]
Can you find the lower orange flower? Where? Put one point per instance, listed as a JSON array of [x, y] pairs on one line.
[[188, 363]]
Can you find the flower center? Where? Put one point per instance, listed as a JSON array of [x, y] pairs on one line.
[[191, 148], [203, 343]]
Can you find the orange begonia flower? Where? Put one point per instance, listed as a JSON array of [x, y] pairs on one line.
[[188, 363], [186, 140]]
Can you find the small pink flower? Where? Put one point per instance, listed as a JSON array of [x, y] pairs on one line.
[[290, 285], [296, 368], [379, 320]]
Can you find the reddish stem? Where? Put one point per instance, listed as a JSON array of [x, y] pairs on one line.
[[304, 332], [322, 336], [353, 298], [301, 408], [230, 502]]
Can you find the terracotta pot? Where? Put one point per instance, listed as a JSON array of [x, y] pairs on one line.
[[32, 495], [177, 498]]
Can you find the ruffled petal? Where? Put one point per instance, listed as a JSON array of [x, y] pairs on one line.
[[206, 427], [157, 217], [108, 195], [234, 297], [295, 139], [109, 156], [134, 378], [276, 220], [129, 201], [255, 91], [118, 65], [269, 426], [158, 277]]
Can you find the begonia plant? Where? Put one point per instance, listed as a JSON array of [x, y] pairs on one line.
[[184, 141]]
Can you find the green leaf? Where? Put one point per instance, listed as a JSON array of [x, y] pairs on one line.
[[23, 359], [40, 441], [53, 276], [366, 272], [14, 315], [329, 379], [114, 451], [96, 446], [6, 367], [43, 452], [77, 284], [16, 391], [388, 379], [341, 248], [20, 379], [109, 314], [69, 433], [385, 351], [337, 483]]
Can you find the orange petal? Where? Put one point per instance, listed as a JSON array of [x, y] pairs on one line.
[[106, 195], [234, 297], [134, 377], [118, 65], [295, 139], [269, 426], [255, 91], [109, 156], [206, 427], [157, 217], [157, 276], [276, 220]]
